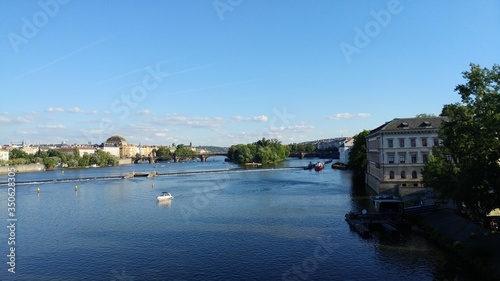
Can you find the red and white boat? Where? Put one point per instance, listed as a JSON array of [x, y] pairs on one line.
[[319, 166]]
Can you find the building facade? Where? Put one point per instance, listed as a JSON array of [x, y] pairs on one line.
[[4, 154], [398, 150], [344, 150]]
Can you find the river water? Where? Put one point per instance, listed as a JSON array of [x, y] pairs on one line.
[[225, 223]]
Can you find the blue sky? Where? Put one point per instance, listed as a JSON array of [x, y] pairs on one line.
[[225, 72]]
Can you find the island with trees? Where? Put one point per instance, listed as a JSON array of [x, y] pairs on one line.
[[262, 152]]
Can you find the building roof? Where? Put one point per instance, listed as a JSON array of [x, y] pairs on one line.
[[411, 124], [116, 140]]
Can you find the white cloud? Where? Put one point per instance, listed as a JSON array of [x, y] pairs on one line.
[[260, 118], [23, 120], [4, 119], [22, 132], [51, 126], [339, 116], [198, 122], [93, 112], [55, 109], [75, 110], [161, 134], [145, 112]]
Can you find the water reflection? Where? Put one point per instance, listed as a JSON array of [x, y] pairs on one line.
[[164, 203]]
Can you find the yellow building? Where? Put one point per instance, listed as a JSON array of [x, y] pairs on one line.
[[126, 150]]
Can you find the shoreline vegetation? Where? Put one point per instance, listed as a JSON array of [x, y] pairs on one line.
[[54, 159]]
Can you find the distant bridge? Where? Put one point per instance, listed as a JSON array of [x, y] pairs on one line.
[[154, 159], [328, 154]]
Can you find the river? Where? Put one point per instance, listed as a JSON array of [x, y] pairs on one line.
[[225, 223]]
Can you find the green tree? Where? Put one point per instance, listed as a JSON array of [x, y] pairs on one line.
[[17, 153], [163, 151], [263, 151], [84, 160], [472, 140], [184, 152], [421, 115], [76, 153], [50, 162], [17, 161], [357, 155]]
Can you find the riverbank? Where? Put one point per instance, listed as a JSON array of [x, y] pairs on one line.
[[474, 244], [22, 168]]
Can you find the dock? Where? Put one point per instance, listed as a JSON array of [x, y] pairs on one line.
[[138, 175], [364, 223]]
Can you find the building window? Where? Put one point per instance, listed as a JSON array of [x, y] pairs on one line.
[[424, 142], [391, 174], [402, 158], [425, 158], [403, 174], [414, 158], [390, 143], [401, 142], [436, 142], [413, 142], [414, 174], [390, 157]]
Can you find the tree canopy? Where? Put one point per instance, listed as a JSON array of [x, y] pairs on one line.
[[300, 147], [52, 157], [467, 167], [357, 155]]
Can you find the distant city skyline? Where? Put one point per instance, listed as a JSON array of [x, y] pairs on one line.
[[228, 72]]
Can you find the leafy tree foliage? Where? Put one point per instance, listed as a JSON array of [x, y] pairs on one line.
[[296, 148], [183, 151], [263, 151], [17, 153], [357, 155], [425, 115], [467, 169], [163, 151], [52, 157]]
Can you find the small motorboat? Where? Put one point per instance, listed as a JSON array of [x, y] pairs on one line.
[[319, 166], [338, 165], [165, 196]]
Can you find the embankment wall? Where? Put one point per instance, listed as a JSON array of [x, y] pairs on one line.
[[22, 168]]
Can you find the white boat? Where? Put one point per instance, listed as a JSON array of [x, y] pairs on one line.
[[165, 196]]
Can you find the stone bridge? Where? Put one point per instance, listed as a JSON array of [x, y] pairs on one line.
[[154, 159]]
